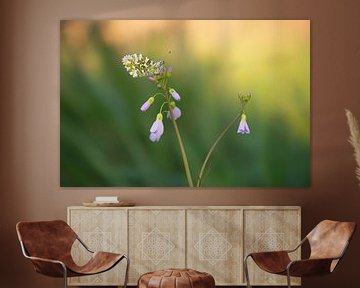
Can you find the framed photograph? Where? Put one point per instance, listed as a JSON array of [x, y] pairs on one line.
[[185, 103]]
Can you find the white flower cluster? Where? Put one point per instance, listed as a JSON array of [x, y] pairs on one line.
[[140, 66]]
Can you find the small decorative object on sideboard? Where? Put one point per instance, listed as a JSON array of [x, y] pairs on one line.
[[108, 201]]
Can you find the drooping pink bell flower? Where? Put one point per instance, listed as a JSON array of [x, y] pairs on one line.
[[174, 94], [243, 126], [176, 112], [157, 128]]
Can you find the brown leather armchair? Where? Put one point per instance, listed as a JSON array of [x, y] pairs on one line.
[[328, 242], [48, 245]]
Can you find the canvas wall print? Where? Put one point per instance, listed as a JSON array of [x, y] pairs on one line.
[[185, 103]]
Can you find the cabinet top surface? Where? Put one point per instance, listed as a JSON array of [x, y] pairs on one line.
[[193, 207]]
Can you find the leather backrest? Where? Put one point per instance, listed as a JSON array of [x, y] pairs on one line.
[[46, 239], [329, 238]]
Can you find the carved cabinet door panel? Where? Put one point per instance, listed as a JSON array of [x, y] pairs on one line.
[[214, 244], [156, 240], [269, 230], [101, 230]]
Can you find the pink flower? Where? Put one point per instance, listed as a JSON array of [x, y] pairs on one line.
[[243, 126], [174, 94], [157, 129], [176, 112], [147, 104]]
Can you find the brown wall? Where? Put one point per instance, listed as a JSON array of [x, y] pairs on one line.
[[29, 119]]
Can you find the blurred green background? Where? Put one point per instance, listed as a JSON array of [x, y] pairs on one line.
[[104, 135]]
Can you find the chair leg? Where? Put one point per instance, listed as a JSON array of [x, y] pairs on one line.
[[288, 278], [246, 270], [127, 271], [65, 276]]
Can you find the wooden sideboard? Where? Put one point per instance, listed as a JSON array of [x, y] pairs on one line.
[[212, 239]]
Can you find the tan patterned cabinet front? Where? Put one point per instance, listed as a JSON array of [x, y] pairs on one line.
[[270, 229], [214, 244], [211, 239], [101, 230], [156, 240]]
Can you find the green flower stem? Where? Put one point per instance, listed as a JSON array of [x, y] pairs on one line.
[[180, 142], [183, 153], [212, 148], [162, 106]]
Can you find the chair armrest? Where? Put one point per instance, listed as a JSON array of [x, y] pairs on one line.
[[267, 254], [298, 246], [309, 267], [45, 260], [271, 261], [48, 267], [280, 251], [84, 245]]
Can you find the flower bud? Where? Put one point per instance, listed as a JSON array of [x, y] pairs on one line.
[[147, 104], [174, 94]]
